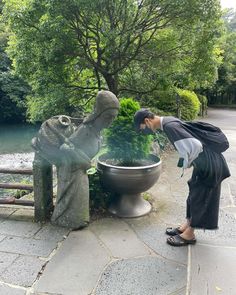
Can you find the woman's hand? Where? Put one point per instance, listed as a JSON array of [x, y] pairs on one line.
[[77, 156]]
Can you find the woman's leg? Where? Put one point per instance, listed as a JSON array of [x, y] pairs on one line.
[[188, 234], [184, 225]]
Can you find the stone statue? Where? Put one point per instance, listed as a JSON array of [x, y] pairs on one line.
[[70, 145]]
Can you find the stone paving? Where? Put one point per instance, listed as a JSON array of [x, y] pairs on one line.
[[212, 260], [116, 256], [25, 248]]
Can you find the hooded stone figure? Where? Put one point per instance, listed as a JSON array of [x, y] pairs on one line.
[[70, 147]]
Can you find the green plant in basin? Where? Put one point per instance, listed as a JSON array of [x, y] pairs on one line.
[[128, 168], [124, 144]]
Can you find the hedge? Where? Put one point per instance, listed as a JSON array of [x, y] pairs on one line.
[[189, 104]]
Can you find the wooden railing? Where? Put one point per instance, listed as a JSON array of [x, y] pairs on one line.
[[26, 171], [28, 187]]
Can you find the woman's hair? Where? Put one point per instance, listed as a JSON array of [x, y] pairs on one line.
[[140, 116], [150, 115]]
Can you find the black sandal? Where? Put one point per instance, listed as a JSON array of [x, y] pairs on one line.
[[178, 241], [173, 231]]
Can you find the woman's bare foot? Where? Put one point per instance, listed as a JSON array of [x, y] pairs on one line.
[[188, 234], [184, 226], [172, 231]]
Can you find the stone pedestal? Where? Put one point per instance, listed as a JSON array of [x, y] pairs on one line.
[[43, 188]]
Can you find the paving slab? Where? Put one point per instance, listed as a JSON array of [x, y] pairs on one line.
[[7, 290], [225, 196], [154, 236], [233, 189], [232, 168], [51, 232], [6, 259], [213, 270], [170, 212], [174, 199], [142, 276], [86, 256], [19, 228], [27, 246], [179, 187], [182, 291], [76, 266], [45, 293], [171, 186], [23, 271], [5, 212], [224, 236], [230, 210], [119, 238], [23, 215], [161, 187]]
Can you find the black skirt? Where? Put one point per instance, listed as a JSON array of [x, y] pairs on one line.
[[210, 169]]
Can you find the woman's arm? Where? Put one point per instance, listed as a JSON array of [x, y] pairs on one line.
[[77, 155], [188, 149]]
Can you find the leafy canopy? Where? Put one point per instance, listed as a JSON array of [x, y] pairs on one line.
[[67, 50]]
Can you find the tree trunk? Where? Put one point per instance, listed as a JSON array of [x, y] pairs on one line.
[[112, 83]]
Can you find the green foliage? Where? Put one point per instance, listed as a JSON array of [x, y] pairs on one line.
[[123, 142], [147, 196], [22, 179], [13, 89], [224, 90], [98, 197], [169, 102], [78, 47], [20, 193], [189, 104], [165, 103]]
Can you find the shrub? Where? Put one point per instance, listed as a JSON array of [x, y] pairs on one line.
[[123, 142], [189, 104], [99, 199], [165, 103]]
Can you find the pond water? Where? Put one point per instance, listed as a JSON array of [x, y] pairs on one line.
[[15, 152], [17, 138]]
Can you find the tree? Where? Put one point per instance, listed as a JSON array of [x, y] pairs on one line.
[[223, 91], [12, 89], [77, 47]]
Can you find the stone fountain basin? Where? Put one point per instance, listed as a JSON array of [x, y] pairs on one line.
[[129, 183]]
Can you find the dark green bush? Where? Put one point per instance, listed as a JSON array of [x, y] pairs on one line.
[[189, 104], [98, 197], [164, 103], [123, 142]]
